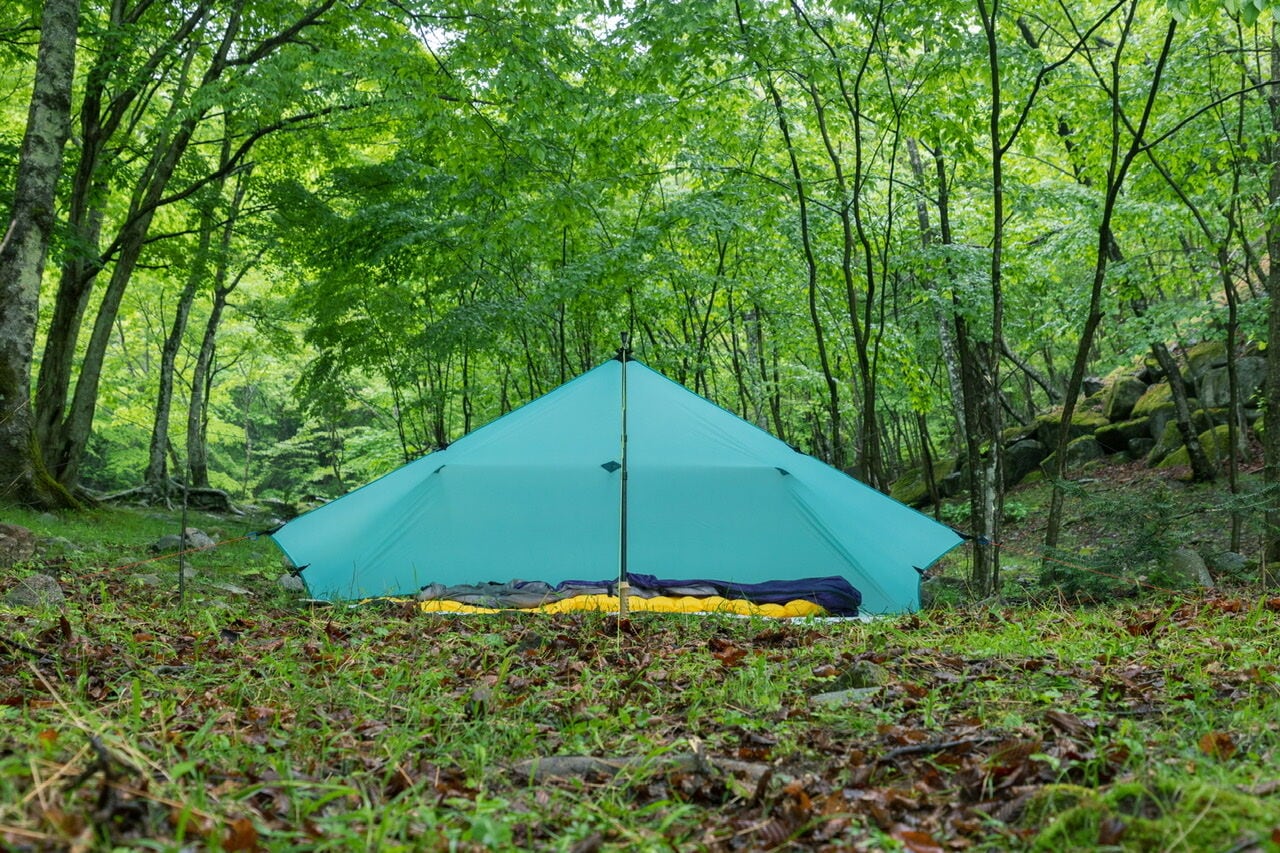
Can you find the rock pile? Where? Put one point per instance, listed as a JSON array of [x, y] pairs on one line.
[[1130, 412]]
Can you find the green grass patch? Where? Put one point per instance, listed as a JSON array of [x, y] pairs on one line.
[[234, 722]]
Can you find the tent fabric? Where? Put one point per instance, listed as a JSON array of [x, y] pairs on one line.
[[536, 494]]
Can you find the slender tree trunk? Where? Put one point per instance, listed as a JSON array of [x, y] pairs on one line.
[[928, 238], [1106, 249], [835, 455], [201, 380], [24, 249], [157, 474], [1202, 469], [981, 358], [869, 465], [1271, 418], [202, 374]]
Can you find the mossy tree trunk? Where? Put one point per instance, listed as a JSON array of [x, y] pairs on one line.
[[23, 251]]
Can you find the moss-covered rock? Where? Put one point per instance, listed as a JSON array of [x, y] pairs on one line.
[[1021, 459], [1048, 426], [1170, 440], [1205, 356], [1012, 435], [1155, 396], [1080, 452], [912, 488], [1133, 816], [1115, 437], [1124, 394], [1216, 443]]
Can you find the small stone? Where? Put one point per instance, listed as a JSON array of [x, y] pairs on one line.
[[194, 539], [292, 583], [144, 579], [864, 673], [852, 696], [231, 588], [36, 591]]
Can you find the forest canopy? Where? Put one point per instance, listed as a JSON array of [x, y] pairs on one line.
[[287, 246]]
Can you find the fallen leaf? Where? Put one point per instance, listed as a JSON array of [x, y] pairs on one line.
[[1142, 628], [1067, 723], [1111, 831], [241, 836], [916, 841], [1219, 745]]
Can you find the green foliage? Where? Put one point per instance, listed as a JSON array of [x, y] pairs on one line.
[[1137, 540]]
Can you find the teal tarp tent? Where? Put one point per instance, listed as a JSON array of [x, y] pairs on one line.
[[535, 495]]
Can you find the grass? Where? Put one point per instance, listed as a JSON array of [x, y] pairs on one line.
[[228, 722]]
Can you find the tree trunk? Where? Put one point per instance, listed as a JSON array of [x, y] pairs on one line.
[[104, 109], [928, 237], [1202, 470], [201, 375], [868, 465], [157, 474], [1105, 252], [835, 456], [1271, 422], [980, 368], [24, 249]]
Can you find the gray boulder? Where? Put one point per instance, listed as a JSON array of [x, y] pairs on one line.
[[194, 539], [36, 591], [1140, 448], [1021, 459], [1080, 451], [1187, 567], [1228, 563], [1083, 450], [1215, 385], [852, 696]]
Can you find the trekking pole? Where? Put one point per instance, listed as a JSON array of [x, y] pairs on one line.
[[624, 587]]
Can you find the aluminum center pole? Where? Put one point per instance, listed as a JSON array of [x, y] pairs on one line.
[[624, 588]]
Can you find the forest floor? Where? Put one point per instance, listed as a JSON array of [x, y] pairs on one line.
[[235, 718]]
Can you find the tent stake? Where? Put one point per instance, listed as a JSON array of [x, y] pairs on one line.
[[624, 588]]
